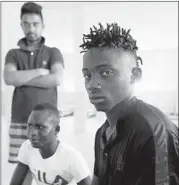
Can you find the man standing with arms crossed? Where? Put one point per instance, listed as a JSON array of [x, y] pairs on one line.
[[35, 70]]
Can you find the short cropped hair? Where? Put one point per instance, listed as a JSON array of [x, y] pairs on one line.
[[31, 7], [52, 110]]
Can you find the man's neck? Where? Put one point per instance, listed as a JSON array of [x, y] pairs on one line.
[[117, 111], [50, 149], [33, 45]]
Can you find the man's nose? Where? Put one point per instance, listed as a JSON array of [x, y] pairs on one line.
[[33, 132], [31, 28], [94, 84]]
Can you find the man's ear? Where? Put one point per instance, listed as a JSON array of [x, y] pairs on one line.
[[136, 74], [43, 25], [57, 129]]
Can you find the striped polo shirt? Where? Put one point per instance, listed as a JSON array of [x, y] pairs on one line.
[[143, 149], [26, 97]]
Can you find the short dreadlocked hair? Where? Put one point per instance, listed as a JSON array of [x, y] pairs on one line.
[[112, 36], [31, 7]]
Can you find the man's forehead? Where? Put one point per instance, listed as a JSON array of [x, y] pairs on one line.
[[39, 115], [97, 66], [97, 60], [31, 17], [106, 58]]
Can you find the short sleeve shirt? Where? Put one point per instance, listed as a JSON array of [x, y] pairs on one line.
[[26, 97], [66, 164]]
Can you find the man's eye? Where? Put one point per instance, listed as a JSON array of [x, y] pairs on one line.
[[87, 76], [26, 24], [107, 73], [36, 24], [29, 126], [40, 127]]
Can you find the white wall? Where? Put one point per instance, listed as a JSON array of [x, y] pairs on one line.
[[153, 24]]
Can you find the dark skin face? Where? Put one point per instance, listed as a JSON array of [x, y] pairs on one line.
[[108, 76], [32, 26], [42, 132]]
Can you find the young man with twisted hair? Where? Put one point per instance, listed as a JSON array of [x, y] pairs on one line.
[[137, 144]]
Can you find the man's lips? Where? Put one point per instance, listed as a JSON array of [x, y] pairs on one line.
[[31, 34], [96, 98]]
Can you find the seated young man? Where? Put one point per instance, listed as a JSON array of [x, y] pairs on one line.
[[49, 160]]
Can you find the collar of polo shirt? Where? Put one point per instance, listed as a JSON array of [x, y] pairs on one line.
[[22, 43]]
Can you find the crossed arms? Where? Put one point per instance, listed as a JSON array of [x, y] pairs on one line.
[[39, 77]]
